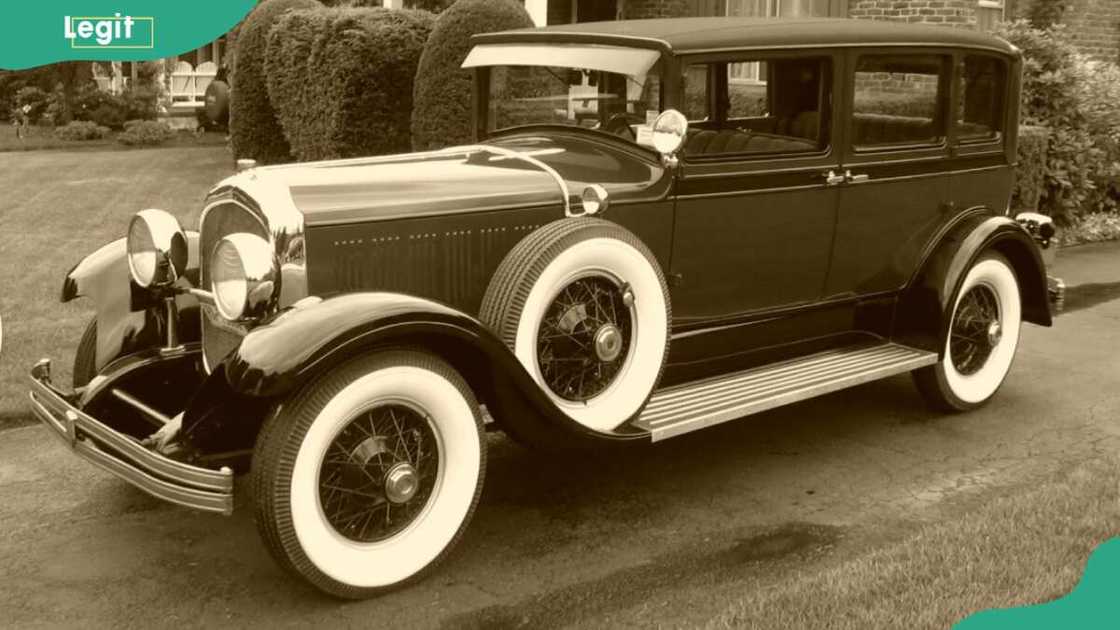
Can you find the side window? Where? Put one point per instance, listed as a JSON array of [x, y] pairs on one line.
[[696, 93], [981, 84], [746, 90], [745, 107], [897, 100]]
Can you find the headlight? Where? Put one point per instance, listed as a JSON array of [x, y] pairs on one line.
[[157, 248], [243, 276]]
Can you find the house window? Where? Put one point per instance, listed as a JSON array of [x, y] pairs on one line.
[[988, 14]]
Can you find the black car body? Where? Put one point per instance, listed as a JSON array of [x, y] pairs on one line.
[[825, 220]]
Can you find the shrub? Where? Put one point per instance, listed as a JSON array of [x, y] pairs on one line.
[[1031, 172], [109, 110], [1078, 101], [254, 129], [442, 114], [80, 130], [341, 79], [37, 99], [145, 133]]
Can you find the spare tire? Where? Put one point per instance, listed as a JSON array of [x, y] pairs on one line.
[[584, 306], [217, 103]]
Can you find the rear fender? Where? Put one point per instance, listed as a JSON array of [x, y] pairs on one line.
[[302, 343], [128, 319], [926, 306]]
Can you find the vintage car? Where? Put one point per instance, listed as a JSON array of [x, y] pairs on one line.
[[664, 225]]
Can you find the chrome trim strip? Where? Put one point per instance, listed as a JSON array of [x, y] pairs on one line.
[[162, 477], [843, 45]]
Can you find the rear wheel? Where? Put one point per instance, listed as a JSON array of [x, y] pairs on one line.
[[982, 339], [366, 478]]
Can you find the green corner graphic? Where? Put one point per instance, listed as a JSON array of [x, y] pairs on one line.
[[1093, 604], [67, 30]]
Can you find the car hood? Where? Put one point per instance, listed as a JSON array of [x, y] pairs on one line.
[[504, 173]]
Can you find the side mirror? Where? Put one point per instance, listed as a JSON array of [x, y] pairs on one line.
[[669, 132]]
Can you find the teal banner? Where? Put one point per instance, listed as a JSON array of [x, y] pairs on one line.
[[39, 33], [1093, 604]]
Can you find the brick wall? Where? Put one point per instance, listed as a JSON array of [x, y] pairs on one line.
[[957, 13], [1094, 27]]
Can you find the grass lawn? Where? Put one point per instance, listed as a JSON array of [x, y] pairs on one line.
[[39, 138], [55, 208], [1026, 548]]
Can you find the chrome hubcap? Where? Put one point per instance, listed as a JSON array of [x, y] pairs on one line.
[[976, 331], [995, 333], [608, 342], [401, 483]]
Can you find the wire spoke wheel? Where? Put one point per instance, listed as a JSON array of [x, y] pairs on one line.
[[976, 331], [585, 336], [378, 473]]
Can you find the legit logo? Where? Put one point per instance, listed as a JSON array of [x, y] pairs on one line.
[[110, 32]]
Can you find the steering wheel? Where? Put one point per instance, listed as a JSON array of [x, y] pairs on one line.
[[619, 125]]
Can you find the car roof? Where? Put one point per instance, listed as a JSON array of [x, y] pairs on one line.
[[704, 34]]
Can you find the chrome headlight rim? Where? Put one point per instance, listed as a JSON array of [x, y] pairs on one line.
[[244, 277], [156, 248]]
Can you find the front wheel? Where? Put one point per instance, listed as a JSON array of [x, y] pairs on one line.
[[981, 342], [366, 478]]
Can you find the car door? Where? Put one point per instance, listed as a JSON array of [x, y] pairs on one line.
[[755, 207], [897, 173]]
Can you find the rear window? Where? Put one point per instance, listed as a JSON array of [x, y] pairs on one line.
[[982, 83]]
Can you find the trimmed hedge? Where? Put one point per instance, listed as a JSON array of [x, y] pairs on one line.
[[254, 130], [341, 79], [147, 133], [81, 130], [1030, 175], [442, 98]]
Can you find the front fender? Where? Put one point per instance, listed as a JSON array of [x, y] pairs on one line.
[[126, 321], [926, 307], [304, 342]]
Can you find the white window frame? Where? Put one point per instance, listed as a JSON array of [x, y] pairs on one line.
[[992, 4]]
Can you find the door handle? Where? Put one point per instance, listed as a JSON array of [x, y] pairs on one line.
[[832, 179], [855, 179]]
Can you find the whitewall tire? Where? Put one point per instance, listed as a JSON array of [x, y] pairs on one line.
[[982, 338], [584, 306], [366, 478]]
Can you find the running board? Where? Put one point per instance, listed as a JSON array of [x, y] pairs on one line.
[[684, 408]]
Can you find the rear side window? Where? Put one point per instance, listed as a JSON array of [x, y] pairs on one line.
[[897, 100], [982, 83]]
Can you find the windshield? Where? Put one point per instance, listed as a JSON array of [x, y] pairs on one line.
[[607, 88]]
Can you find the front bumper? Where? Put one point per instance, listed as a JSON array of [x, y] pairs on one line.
[[124, 456]]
